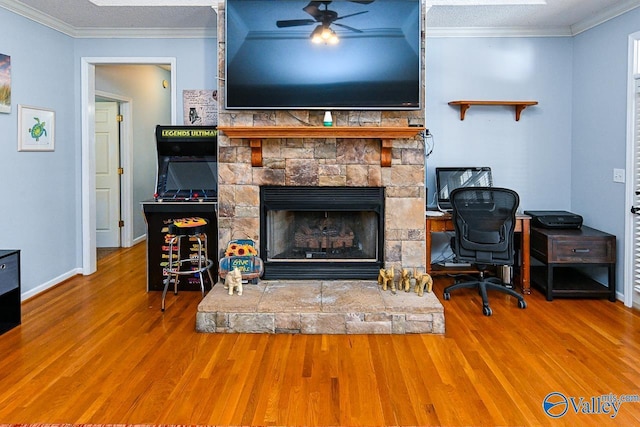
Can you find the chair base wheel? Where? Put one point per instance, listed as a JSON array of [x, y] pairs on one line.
[[446, 296], [522, 304], [486, 310]]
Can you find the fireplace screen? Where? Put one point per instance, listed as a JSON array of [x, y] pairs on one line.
[[322, 235], [321, 232]]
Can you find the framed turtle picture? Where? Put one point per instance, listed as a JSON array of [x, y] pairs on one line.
[[36, 128]]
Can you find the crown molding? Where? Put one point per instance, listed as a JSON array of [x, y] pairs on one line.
[[575, 29], [37, 16], [146, 33], [441, 32], [75, 32], [612, 12]]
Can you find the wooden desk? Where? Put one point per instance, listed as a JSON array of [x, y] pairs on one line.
[[440, 224]]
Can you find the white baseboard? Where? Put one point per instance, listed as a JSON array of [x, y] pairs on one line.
[[139, 239], [51, 283]]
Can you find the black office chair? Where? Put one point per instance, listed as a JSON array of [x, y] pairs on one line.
[[484, 220]]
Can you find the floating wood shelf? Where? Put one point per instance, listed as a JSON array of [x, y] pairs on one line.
[[256, 135], [519, 105]]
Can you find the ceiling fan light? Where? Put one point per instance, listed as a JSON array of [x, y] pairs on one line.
[[322, 34], [316, 35], [333, 39]]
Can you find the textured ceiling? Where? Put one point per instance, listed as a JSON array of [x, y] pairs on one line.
[[556, 13], [82, 18]]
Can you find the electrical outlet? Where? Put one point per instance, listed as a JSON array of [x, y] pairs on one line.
[[618, 175]]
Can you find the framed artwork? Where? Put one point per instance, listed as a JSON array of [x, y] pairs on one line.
[[36, 129], [200, 107], [5, 83]]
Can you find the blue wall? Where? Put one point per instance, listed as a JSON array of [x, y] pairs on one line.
[[560, 155], [600, 78], [532, 155], [42, 191], [38, 207]]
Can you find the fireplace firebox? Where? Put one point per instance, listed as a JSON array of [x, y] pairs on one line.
[[321, 232]]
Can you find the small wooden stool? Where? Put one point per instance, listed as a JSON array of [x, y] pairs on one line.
[[194, 227]]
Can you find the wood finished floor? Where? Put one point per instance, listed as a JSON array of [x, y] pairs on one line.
[[97, 349]]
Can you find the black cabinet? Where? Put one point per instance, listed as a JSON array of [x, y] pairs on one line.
[[158, 216], [9, 289]]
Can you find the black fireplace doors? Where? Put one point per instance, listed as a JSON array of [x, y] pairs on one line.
[[321, 232]]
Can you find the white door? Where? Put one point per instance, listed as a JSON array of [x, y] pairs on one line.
[[107, 151]]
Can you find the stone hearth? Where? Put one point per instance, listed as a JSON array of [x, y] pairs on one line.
[[319, 307]]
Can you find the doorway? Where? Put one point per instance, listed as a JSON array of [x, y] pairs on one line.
[[88, 160]]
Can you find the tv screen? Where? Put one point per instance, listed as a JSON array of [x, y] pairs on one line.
[[367, 57]]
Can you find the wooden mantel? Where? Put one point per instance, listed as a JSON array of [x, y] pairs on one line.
[[257, 134]]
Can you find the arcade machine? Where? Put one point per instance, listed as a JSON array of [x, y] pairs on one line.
[[186, 186]]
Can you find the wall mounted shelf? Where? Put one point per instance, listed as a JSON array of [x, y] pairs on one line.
[[519, 105], [256, 135]]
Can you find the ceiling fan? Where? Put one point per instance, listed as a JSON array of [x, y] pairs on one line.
[[325, 17]]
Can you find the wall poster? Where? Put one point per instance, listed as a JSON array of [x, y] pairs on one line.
[[200, 107], [5, 83]]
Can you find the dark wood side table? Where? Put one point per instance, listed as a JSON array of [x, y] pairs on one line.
[[561, 251], [9, 289]]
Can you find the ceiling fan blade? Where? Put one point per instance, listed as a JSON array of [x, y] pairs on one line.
[[294, 23], [347, 27], [313, 8], [352, 14]]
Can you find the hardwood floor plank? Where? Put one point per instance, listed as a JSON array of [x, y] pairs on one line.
[[97, 349]]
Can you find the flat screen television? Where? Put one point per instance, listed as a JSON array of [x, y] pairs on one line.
[[273, 63]]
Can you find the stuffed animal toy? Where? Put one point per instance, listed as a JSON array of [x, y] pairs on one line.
[[234, 281], [423, 280], [385, 278], [405, 280]]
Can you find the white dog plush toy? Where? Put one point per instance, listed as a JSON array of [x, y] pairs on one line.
[[233, 281]]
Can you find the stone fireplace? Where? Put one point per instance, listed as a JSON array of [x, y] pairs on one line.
[[360, 151], [371, 163]]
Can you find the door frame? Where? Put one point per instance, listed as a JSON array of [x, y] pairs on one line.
[[88, 160], [629, 232], [125, 108]]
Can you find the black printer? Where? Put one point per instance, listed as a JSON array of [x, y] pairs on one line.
[[554, 219]]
